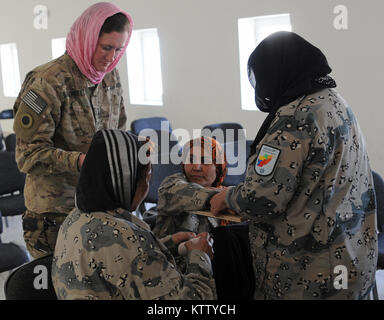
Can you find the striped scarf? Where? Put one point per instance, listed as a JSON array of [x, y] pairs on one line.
[[108, 176]]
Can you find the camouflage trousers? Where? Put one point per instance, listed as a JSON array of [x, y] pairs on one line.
[[40, 231]]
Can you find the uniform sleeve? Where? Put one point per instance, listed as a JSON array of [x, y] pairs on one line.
[[273, 173], [177, 195], [37, 114], [143, 271], [169, 244], [168, 283]]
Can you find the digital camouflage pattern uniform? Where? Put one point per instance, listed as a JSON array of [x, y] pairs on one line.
[[57, 113], [314, 208], [113, 256], [176, 197]]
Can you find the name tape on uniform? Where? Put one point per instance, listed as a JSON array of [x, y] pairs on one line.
[[266, 160]]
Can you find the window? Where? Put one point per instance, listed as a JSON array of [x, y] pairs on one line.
[[251, 32], [10, 69], [58, 47], [144, 68]]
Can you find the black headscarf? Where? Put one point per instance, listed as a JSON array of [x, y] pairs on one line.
[[283, 68], [108, 175]]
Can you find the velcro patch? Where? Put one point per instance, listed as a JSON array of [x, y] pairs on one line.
[[34, 101], [266, 160], [26, 121]]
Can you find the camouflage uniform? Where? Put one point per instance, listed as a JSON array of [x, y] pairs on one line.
[[315, 209], [176, 196], [113, 256], [57, 113]]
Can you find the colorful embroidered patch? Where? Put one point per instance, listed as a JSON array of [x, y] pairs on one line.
[[266, 161]]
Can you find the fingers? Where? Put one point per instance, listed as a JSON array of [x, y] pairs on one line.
[[218, 203], [182, 236], [202, 242], [232, 212]]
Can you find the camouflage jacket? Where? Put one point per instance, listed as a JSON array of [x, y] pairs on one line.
[[176, 197], [56, 116], [310, 201], [113, 256]]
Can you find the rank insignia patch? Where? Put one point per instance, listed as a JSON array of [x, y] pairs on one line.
[[266, 161], [34, 101]]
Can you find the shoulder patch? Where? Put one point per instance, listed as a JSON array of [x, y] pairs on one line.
[[34, 101], [266, 160], [26, 121]]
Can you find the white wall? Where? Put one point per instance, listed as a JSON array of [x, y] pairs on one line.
[[199, 46]]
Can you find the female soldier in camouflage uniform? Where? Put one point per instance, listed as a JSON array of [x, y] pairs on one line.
[[105, 252], [60, 107], [204, 169], [308, 191]]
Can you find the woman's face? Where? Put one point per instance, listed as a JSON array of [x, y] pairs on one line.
[[200, 168], [108, 48]]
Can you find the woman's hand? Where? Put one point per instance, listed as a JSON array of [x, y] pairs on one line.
[[183, 236], [220, 188], [218, 202], [80, 160], [202, 242]]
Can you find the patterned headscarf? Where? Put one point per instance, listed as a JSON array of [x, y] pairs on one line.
[[83, 37], [109, 174], [208, 144]]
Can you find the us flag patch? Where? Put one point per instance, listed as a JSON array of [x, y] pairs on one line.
[[34, 101]]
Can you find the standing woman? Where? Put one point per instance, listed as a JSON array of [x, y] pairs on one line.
[[308, 191], [60, 106]]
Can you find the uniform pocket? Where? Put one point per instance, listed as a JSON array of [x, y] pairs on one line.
[[83, 121]]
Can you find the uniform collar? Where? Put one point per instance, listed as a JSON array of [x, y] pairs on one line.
[[81, 81]]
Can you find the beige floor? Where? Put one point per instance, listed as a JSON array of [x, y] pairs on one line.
[[13, 233]]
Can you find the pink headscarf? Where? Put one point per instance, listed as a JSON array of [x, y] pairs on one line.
[[84, 34]]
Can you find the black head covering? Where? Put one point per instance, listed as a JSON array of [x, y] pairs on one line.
[[108, 175], [282, 68]]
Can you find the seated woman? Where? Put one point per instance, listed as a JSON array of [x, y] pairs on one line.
[[205, 167], [105, 252]]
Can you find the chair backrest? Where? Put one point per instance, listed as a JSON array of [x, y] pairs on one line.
[[154, 123], [379, 189], [224, 132], [237, 153], [11, 185], [10, 142], [31, 281], [12, 256], [11, 179], [6, 114], [159, 172]]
